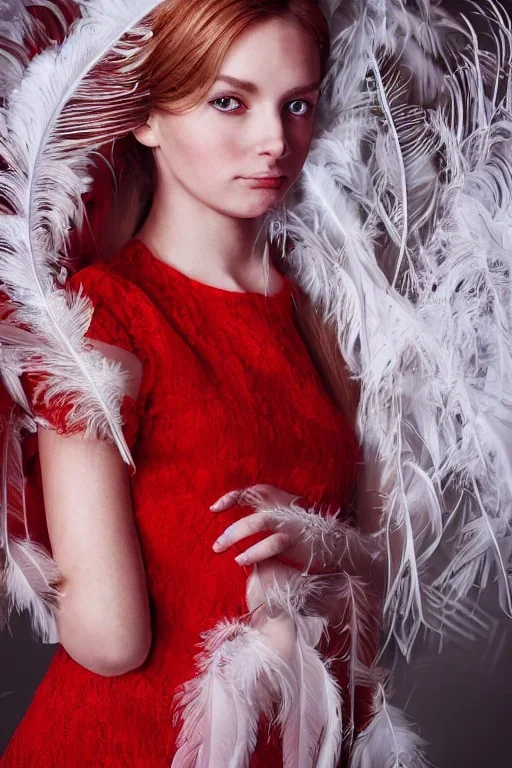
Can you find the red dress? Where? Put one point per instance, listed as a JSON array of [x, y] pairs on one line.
[[229, 398]]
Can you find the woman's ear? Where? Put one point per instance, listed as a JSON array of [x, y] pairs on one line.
[[146, 135]]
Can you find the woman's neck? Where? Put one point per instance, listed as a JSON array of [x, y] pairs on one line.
[[208, 246]]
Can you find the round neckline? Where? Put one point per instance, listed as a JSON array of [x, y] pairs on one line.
[[282, 296]]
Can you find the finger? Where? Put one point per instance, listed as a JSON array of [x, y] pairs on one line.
[[246, 526], [256, 495], [251, 496], [226, 501], [261, 495], [276, 544]]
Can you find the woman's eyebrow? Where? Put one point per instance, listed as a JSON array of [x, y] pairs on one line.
[[252, 88]]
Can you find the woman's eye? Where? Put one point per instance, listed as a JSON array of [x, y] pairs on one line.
[[222, 103], [306, 107], [297, 107]]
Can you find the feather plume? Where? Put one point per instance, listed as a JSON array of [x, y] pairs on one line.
[[30, 575], [242, 674], [48, 157], [388, 742], [239, 677], [415, 151], [357, 624], [339, 553], [16, 25], [20, 31], [44, 172], [312, 729], [312, 726]]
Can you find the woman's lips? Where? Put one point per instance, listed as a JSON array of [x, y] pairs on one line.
[[267, 182]]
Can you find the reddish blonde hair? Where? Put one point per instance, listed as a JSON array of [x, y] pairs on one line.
[[179, 65], [192, 37]]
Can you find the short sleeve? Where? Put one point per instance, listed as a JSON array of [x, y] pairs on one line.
[[111, 323]]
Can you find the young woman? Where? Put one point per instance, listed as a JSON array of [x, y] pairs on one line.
[[226, 405], [206, 347]]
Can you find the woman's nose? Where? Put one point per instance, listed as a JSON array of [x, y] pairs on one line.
[[273, 140]]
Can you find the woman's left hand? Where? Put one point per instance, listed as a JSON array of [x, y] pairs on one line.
[[284, 540]]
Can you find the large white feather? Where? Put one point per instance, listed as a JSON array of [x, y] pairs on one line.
[[424, 322], [44, 171], [46, 176]]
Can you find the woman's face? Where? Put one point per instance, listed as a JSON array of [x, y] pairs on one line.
[[264, 127]]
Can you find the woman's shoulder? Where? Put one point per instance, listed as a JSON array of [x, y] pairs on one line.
[[104, 280], [113, 282], [122, 314]]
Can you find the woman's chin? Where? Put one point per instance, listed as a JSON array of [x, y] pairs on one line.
[[257, 209]]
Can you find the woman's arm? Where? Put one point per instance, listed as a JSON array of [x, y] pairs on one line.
[[103, 615]]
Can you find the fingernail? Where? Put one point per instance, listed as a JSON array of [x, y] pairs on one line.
[[215, 506], [219, 544], [242, 559]]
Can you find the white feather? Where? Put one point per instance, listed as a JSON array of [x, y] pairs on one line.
[[311, 725], [239, 676], [43, 174], [47, 173], [245, 671], [388, 742], [428, 335], [30, 574], [16, 24]]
